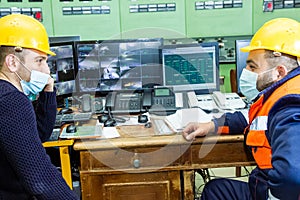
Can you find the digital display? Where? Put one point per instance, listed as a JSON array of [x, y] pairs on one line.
[[118, 65], [62, 68], [158, 92], [191, 67]]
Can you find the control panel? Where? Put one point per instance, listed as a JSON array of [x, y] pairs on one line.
[[152, 19], [91, 19], [223, 17], [39, 9]]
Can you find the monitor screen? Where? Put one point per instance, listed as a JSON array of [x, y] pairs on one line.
[[241, 58], [191, 67], [114, 65], [62, 68]]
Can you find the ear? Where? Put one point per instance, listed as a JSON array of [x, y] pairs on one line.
[[281, 71], [11, 63]]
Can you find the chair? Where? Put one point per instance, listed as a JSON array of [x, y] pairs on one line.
[[233, 81]]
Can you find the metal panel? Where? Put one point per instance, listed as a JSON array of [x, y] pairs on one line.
[[40, 10], [207, 18], [265, 10], [150, 19], [94, 19]]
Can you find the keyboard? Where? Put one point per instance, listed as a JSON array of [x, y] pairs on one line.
[[73, 117]]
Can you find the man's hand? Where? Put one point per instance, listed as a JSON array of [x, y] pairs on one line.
[[50, 85], [194, 129]]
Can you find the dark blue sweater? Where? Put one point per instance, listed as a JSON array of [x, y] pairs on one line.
[[25, 168]]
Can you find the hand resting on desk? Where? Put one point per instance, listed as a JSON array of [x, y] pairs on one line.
[[194, 129]]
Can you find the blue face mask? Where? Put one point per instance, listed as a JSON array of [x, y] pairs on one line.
[[248, 81], [38, 81]]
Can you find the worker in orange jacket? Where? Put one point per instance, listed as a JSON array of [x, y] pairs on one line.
[[271, 80]]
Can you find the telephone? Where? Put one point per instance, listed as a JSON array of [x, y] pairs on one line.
[[159, 101], [123, 103], [207, 103], [224, 101], [229, 101]]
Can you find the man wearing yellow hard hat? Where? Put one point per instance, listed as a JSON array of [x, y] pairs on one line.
[[25, 169], [271, 80]]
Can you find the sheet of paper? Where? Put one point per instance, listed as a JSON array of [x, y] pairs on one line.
[[110, 132], [181, 118]]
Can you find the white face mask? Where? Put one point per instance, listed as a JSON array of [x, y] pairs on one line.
[[38, 81], [248, 81]]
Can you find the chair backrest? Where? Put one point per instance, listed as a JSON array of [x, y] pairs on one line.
[[233, 81]]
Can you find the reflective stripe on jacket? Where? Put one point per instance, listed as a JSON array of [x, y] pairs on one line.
[[258, 118]]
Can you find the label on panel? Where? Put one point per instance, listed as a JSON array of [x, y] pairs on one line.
[[152, 19], [207, 18]]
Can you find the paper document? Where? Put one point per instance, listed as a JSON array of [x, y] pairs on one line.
[[181, 118], [110, 132]]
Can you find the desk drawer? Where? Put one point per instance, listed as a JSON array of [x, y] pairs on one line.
[[220, 155], [137, 158]]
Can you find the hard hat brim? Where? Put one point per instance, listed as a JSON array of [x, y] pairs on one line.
[[50, 53]]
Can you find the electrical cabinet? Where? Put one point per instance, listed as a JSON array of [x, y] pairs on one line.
[[265, 10], [39, 9], [91, 20], [206, 18], [152, 19]]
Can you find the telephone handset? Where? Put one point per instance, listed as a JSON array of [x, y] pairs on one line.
[[220, 99]]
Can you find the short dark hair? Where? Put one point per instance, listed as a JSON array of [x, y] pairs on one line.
[[284, 59], [6, 50]]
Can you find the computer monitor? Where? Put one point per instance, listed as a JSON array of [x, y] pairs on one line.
[[114, 65], [241, 58], [191, 67], [62, 68]]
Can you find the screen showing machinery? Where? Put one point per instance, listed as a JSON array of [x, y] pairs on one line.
[[241, 58], [191, 67], [62, 68], [114, 65]]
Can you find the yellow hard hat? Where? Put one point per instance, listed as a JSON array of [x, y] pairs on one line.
[[20, 30], [278, 35]]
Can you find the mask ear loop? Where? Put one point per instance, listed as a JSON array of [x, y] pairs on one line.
[[18, 76], [22, 63]]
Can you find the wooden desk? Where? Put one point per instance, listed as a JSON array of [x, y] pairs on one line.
[[152, 167], [63, 146]]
